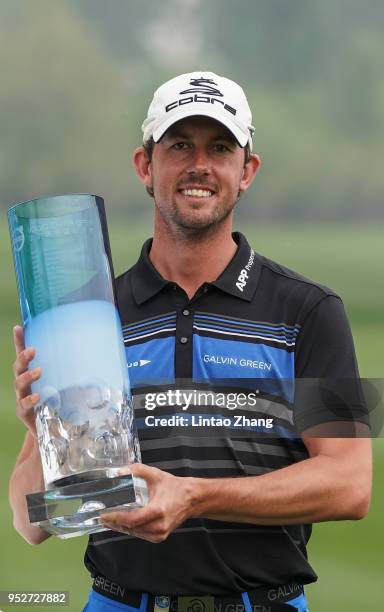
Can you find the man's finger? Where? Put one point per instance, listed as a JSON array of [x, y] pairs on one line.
[[29, 402], [137, 533], [131, 519], [148, 473], [18, 339], [23, 382], [117, 527], [22, 361]]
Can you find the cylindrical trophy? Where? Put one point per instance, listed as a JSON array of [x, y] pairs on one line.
[[84, 419]]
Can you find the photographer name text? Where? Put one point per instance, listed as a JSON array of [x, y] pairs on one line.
[[198, 420]]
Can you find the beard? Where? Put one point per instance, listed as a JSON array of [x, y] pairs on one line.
[[194, 225], [198, 219], [195, 221]]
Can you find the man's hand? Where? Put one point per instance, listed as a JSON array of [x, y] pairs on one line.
[[27, 476], [170, 504], [334, 483], [25, 400]]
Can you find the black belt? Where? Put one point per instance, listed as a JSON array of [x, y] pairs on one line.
[[263, 599]]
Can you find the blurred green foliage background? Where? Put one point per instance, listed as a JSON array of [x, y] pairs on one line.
[[76, 80]]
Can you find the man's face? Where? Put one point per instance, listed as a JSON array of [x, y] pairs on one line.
[[196, 172]]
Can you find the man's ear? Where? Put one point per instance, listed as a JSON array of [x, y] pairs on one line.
[[142, 166], [249, 172]]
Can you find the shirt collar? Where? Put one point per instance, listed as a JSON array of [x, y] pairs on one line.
[[241, 275], [239, 278], [146, 280]]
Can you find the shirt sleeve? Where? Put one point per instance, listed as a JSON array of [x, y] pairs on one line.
[[327, 384]]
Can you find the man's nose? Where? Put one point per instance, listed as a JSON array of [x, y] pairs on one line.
[[200, 162]]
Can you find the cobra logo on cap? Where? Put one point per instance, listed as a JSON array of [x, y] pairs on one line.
[[201, 86]]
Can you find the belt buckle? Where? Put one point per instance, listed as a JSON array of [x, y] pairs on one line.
[[205, 603]]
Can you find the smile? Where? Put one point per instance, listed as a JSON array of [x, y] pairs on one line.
[[197, 193]]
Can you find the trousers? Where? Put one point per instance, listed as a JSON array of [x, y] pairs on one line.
[[100, 603]]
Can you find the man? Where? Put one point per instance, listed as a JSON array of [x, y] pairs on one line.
[[230, 512]]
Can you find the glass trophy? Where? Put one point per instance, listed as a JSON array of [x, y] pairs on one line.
[[84, 419]]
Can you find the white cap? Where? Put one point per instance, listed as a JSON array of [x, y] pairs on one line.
[[199, 93]]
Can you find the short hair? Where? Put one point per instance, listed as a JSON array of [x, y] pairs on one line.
[[148, 147]]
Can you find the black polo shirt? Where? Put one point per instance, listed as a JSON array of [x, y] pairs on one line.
[[258, 328]]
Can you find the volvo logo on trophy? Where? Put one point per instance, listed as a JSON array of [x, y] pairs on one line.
[[84, 420]]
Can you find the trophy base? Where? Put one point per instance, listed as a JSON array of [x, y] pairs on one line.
[[75, 508]]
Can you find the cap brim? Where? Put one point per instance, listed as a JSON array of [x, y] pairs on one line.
[[241, 136]]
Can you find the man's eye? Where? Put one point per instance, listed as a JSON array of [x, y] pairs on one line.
[[220, 147], [179, 146]]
